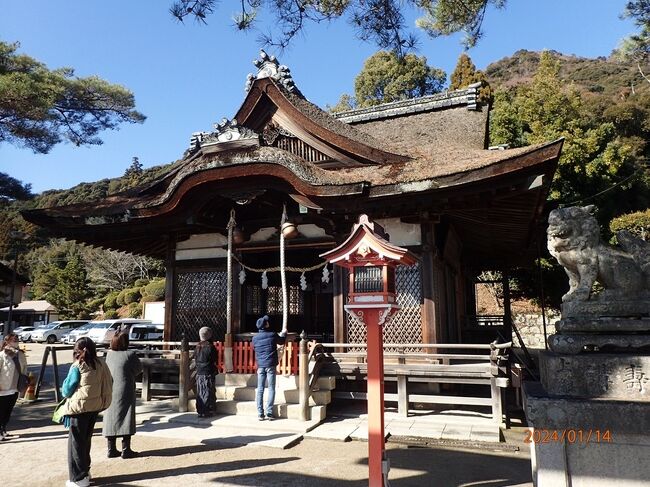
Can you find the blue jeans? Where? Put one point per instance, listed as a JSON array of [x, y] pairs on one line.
[[265, 376]]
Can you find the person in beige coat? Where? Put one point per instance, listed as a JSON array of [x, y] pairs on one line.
[[88, 389], [12, 364]]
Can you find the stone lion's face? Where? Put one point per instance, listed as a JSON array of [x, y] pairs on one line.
[[567, 227], [559, 227]]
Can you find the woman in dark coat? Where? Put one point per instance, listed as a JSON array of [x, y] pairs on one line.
[[119, 418], [205, 356]]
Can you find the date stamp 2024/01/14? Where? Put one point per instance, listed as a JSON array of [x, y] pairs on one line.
[[568, 435]]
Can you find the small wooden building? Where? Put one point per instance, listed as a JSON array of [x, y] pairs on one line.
[[419, 167]]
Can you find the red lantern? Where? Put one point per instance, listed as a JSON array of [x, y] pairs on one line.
[[371, 260]]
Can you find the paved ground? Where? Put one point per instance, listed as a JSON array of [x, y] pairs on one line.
[[181, 450]]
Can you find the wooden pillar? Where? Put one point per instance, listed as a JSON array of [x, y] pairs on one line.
[[184, 377], [55, 367], [236, 299], [146, 382], [303, 378], [507, 312], [340, 323], [430, 322], [170, 264]]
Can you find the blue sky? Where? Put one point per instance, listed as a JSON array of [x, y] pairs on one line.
[[187, 76]]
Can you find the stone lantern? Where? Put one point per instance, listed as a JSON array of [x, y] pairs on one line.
[[371, 260]]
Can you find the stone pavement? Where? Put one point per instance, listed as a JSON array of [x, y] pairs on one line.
[[157, 418]]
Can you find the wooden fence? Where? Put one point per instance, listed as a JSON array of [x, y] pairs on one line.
[[243, 358]]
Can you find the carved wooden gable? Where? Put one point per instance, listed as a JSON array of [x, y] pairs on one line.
[[273, 135]]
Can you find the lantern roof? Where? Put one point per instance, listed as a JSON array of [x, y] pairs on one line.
[[368, 245]]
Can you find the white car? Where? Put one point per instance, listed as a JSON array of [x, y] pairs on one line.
[[52, 332], [73, 335], [24, 333], [103, 331]]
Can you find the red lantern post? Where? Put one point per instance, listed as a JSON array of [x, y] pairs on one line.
[[371, 260]]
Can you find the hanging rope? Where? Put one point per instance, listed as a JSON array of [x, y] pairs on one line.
[[283, 276], [231, 226], [277, 268]]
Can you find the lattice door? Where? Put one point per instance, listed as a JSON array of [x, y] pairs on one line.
[[200, 301], [406, 324]]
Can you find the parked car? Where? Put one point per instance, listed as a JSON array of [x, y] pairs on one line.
[[52, 332], [146, 332], [73, 335], [24, 333], [103, 331]]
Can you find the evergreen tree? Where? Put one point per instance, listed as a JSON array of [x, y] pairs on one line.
[[595, 157], [12, 189], [40, 108], [466, 74], [381, 21], [386, 77], [70, 292], [134, 172]]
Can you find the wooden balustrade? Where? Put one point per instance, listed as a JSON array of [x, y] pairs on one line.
[[243, 354]]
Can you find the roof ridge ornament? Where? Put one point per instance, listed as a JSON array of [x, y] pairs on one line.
[[269, 67], [224, 131]]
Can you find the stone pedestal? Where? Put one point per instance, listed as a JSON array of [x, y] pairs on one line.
[[587, 442], [596, 376]]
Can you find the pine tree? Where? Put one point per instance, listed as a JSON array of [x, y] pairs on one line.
[[133, 173]]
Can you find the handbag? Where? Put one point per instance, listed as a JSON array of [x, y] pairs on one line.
[[23, 380], [57, 415]]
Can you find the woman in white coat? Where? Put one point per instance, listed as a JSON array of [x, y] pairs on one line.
[[12, 364]]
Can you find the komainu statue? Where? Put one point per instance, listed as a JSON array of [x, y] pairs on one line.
[[574, 240]]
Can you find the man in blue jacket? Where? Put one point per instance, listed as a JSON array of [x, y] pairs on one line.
[[266, 354]]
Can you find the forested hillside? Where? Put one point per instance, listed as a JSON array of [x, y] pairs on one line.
[[606, 76]]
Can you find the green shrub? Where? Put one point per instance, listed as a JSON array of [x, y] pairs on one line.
[[638, 223], [109, 302], [135, 310], [111, 314], [120, 297], [141, 282], [155, 289], [94, 304], [148, 299], [131, 296]]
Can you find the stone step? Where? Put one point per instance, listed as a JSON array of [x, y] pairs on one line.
[[317, 398], [249, 409], [291, 396]]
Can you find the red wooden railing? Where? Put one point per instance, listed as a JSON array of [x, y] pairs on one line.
[[243, 358]]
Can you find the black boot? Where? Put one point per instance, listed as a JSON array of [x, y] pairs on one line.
[[126, 448], [113, 452]]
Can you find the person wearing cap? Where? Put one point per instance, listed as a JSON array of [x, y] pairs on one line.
[[205, 356], [265, 343]]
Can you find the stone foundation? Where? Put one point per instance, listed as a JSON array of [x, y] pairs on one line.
[[531, 329], [587, 442]]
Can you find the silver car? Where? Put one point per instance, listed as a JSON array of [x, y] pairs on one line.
[[73, 335], [52, 332]]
